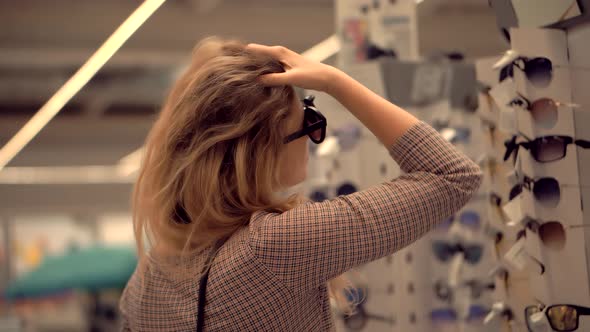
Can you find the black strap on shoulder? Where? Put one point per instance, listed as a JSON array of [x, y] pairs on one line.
[[203, 284]]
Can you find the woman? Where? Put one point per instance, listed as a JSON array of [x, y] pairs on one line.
[[232, 136]]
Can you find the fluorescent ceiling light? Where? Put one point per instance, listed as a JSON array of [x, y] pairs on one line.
[[77, 81], [64, 175]]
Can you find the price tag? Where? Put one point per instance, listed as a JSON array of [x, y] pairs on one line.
[[507, 121], [538, 322], [513, 211], [516, 256], [503, 93]]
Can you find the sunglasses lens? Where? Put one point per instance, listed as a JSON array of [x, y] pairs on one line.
[[443, 315], [442, 250], [356, 295], [470, 219], [477, 313], [546, 190], [563, 318], [552, 235], [539, 71], [544, 112], [549, 149], [318, 196], [311, 119], [473, 254], [346, 189]]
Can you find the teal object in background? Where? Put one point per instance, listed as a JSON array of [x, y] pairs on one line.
[[91, 269]]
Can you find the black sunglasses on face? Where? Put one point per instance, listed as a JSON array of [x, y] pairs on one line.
[[544, 149], [561, 317], [539, 70], [314, 123]]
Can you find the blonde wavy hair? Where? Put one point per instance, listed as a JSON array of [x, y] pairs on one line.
[[211, 158]]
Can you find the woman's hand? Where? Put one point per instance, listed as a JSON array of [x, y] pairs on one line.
[[299, 71]]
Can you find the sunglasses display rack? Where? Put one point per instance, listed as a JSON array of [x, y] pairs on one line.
[[512, 290], [459, 250], [534, 100], [519, 243], [351, 159]]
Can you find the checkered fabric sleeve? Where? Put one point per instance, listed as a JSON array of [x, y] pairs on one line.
[[310, 244]]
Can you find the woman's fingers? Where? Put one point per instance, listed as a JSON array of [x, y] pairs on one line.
[[280, 53], [275, 79]]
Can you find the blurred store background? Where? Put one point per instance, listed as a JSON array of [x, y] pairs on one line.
[[66, 240]]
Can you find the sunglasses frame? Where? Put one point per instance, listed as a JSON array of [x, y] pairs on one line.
[[512, 146], [523, 63], [536, 226], [581, 311], [530, 183], [454, 316], [455, 248], [310, 111], [459, 217]]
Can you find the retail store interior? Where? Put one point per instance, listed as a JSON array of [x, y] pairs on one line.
[[505, 81]]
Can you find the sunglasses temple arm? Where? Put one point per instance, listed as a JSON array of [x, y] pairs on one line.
[[583, 310], [579, 226], [582, 143]]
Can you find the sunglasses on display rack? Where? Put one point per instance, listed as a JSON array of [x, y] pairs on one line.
[[469, 219], [543, 110], [551, 233], [449, 315], [314, 123], [561, 317], [345, 188], [445, 293], [546, 190], [444, 251], [539, 70], [359, 319], [543, 149]]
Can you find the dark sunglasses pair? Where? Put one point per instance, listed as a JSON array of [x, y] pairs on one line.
[[448, 315], [314, 123], [546, 190], [539, 70], [469, 219], [445, 293], [561, 317], [444, 251], [543, 149], [551, 233], [345, 188]]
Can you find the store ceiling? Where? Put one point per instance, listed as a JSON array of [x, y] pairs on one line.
[[43, 42]]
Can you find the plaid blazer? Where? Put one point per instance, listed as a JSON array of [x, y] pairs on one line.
[[272, 274]]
